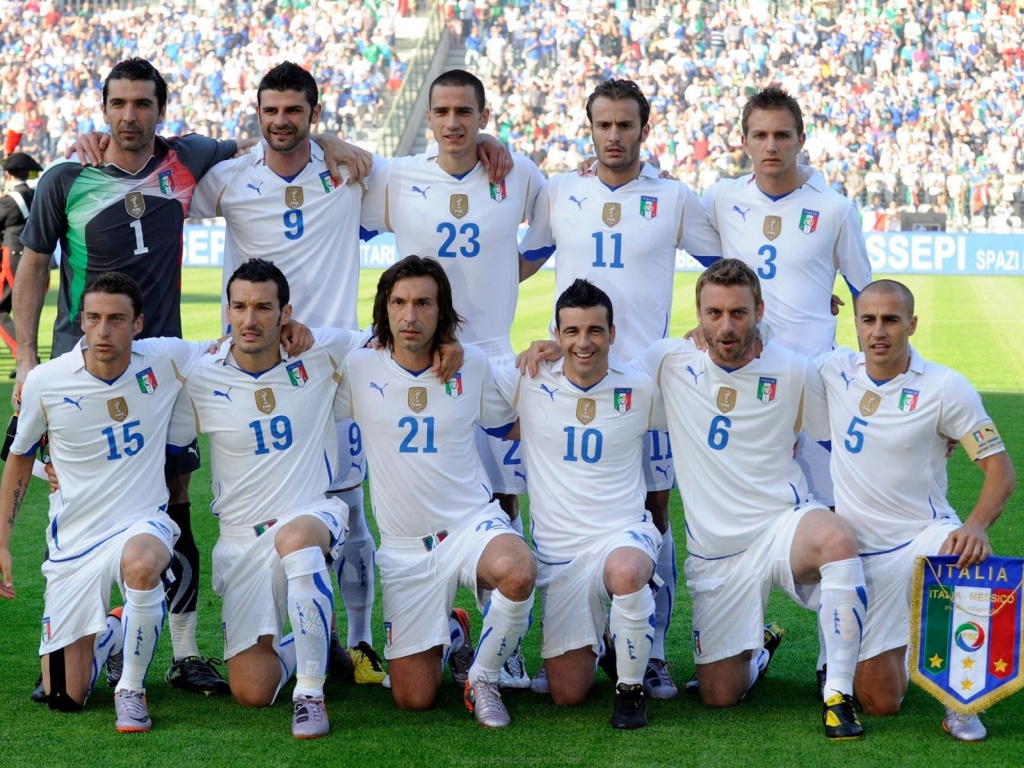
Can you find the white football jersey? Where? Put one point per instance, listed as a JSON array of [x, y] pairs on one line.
[[583, 451], [309, 227], [420, 438], [889, 444], [107, 439], [470, 226], [272, 440], [623, 240], [796, 245], [733, 434]]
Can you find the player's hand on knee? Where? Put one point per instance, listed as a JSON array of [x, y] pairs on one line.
[[89, 148], [970, 543]]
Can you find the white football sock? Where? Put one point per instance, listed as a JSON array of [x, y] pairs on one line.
[[505, 623], [841, 619], [355, 570], [142, 620], [665, 598], [310, 604], [632, 626]]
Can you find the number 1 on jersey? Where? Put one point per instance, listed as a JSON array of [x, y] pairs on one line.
[[616, 238]]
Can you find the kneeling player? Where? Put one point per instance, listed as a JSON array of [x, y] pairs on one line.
[[431, 498], [583, 421], [891, 411], [271, 428], [105, 406]]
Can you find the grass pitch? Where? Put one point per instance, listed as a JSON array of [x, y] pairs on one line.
[[966, 322]]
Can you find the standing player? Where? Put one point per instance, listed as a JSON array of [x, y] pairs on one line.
[[14, 208], [583, 423], [431, 498], [891, 413], [620, 228], [105, 406], [280, 199], [274, 453], [128, 216], [734, 410], [797, 233], [446, 207]]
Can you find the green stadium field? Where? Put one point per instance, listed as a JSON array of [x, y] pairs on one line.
[[972, 324]]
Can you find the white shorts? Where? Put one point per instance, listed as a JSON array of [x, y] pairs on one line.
[[77, 595], [249, 577], [351, 457], [420, 576], [814, 460], [730, 594], [659, 471], [889, 578], [573, 595]]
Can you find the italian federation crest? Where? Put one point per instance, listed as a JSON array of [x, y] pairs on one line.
[[808, 221], [965, 630]]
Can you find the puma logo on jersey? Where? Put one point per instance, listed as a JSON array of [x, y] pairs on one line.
[[77, 403], [255, 188], [519, 474], [357, 465], [579, 203], [378, 387], [225, 395], [662, 470], [689, 370], [847, 379], [550, 392], [421, 191], [741, 212]]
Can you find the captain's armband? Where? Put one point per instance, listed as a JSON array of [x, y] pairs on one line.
[[982, 442]]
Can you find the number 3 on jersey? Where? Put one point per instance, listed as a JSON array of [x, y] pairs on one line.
[[468, 248], [767, 270]]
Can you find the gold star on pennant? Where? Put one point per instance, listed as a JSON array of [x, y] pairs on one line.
[[1000, 665], [967, 684], [968, 663], [935, 661]]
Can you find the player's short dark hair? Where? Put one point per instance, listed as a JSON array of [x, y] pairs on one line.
[[261, 271], [730, 272], [617, 90], [772, 98], [288, 76], [137, 69], [448, 320], [119, 284], [459, 78], [890, 286], [582, 294]]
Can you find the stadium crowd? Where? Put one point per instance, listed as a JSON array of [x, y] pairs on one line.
[[911, 106]]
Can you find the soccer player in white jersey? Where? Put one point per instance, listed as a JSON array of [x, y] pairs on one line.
[[583, 422], [891, 413], [105, 407], [734, 410], [620, 228], [270, 421], [444, 206], [281, 199], [797, 233], [439, 526]]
